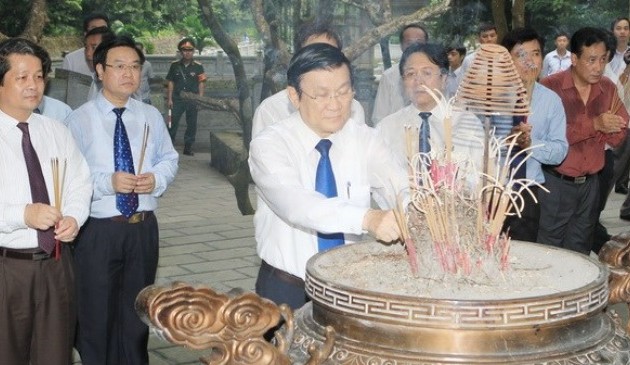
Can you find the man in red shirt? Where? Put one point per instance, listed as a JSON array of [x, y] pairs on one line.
[[593, 120]]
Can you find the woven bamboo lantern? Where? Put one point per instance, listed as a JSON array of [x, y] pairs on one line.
[[492, 86]]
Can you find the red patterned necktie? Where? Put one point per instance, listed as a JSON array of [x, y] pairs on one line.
[[39, 193]]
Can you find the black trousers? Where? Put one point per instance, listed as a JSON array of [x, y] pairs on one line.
[[280, 287], [569, 213], [525, 227], [190, 108], [37, 311], [114, 261]]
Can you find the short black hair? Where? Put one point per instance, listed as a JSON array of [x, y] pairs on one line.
[[413, 25], [100, 53], [316, 56], [484, 27], [94, 16], [561, 34], [435, 52], [587, 36], [185, 40], [21, 46], [460, 49], [617, 20], [105, 31], [521, 35], [315, 27]]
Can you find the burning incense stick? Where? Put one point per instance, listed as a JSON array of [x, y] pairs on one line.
[[59, 178], [145, 139]]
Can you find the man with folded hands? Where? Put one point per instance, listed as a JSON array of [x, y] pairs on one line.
[[132, 162], [41, 210]]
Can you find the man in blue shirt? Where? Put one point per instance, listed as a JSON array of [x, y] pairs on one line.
[[132, 162], [545, 128]]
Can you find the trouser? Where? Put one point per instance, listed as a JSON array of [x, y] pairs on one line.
[[37, 310], [622, 163], [525, 227], [114, 261], [606, 178], [180, 107], [569, 213], [280, 286]]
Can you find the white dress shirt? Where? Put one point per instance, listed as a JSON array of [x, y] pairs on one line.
[[467, 132], [278, 107], [553, 63], [390, 96], [50, 139], [53, 108], [283, 163], [75, 61], [617, 64], [144, 91]]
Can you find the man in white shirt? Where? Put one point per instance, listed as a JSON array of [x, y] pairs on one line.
[[426, 65], [53, 108], [390, 95], [37, 315], [295, 217], [486, 34], [77, 60], [278, 106], [144, 91], [455, 57], [559, 59]]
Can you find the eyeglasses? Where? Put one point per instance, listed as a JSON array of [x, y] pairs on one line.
[[342, 96], [121, 67], [423, 75]]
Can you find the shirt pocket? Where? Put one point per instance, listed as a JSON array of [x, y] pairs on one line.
[[359, 194]]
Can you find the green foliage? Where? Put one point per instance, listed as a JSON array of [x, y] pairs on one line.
[[192, 27]]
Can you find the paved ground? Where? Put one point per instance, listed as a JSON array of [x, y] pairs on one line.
[[204, 239]]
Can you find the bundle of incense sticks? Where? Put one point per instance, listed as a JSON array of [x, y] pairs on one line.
[[145, 138], [59, 178], [459, 224]]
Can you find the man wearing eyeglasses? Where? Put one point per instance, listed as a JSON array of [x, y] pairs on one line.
[[314, 172], [278, 106], [185, 75], [132, 162], [425, 66]]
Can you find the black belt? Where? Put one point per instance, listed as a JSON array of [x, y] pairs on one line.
[[136, 218], [282, 275], [24, 254], [573, 179]]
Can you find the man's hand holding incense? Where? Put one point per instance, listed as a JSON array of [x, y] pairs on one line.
[[381, 224], [608, 123], [124, 182], [41, 216], [524, 139], [67, 229], [145, 183]]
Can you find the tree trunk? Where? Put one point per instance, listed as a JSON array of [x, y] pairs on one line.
[[37, 20], [387, 58], [498, 14], [240, 178], [518, 14]]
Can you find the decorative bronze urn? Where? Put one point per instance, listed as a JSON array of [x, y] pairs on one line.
[[367, 309]]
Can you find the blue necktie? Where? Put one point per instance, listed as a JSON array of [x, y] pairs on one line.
[[126, 203], [425, 133], [325, 184]]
